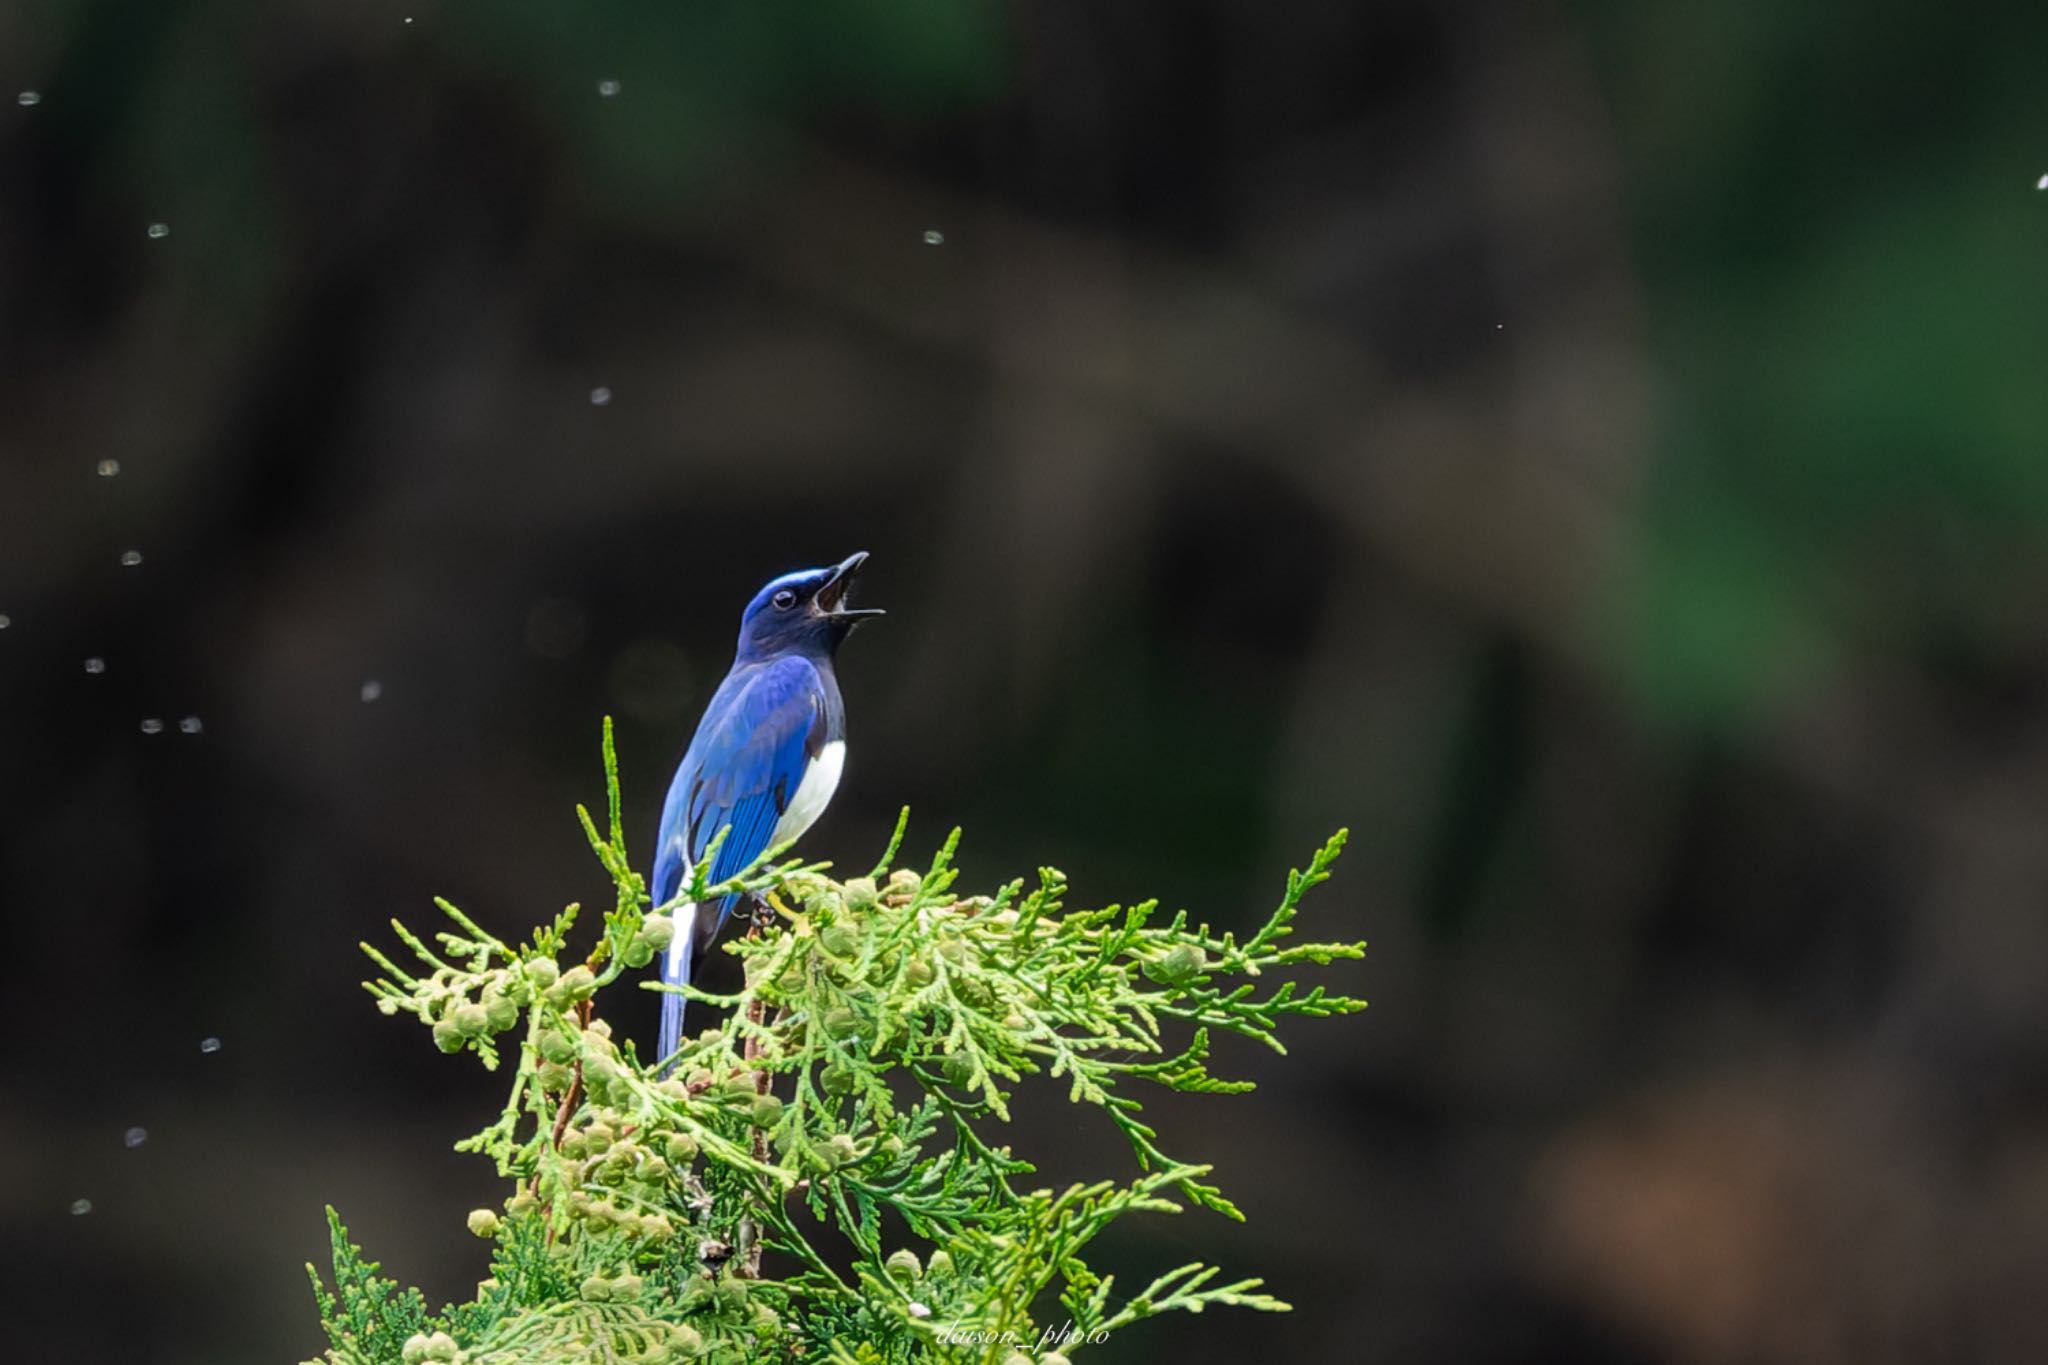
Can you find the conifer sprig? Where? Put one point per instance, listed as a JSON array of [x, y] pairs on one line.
[[856, 1092]]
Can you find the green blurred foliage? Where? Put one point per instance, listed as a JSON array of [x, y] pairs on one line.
[[1842, 253]]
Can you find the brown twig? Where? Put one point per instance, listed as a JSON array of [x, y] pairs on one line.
[[570, 1097], [749, 1234]]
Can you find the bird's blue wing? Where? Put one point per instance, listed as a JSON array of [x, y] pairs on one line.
[[756, 739]]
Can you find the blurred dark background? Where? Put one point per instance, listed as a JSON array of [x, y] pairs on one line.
[[1598, 452]]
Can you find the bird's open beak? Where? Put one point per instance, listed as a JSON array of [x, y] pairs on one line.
[[830, 600]]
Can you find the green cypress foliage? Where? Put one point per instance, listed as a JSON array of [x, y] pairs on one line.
[[824, 1176]]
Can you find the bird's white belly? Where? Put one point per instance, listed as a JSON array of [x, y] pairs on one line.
[[813, 793]]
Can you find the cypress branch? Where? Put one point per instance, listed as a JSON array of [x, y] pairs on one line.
[[654, 1219]]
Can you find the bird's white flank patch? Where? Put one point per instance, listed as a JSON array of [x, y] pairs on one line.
[[685, 917], [679, 946], [813, 793]]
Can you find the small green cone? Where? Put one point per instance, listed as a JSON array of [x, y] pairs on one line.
[[575, 984], [1177, 966], [499, 1013]]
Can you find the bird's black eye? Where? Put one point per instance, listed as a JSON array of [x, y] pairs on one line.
[[784, 600]]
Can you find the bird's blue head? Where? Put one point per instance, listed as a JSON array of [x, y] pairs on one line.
[[803, 613]]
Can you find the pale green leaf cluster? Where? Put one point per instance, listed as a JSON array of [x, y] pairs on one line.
[[824, 1176]]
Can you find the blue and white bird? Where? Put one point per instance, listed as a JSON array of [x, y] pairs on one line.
[[766, 758]]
